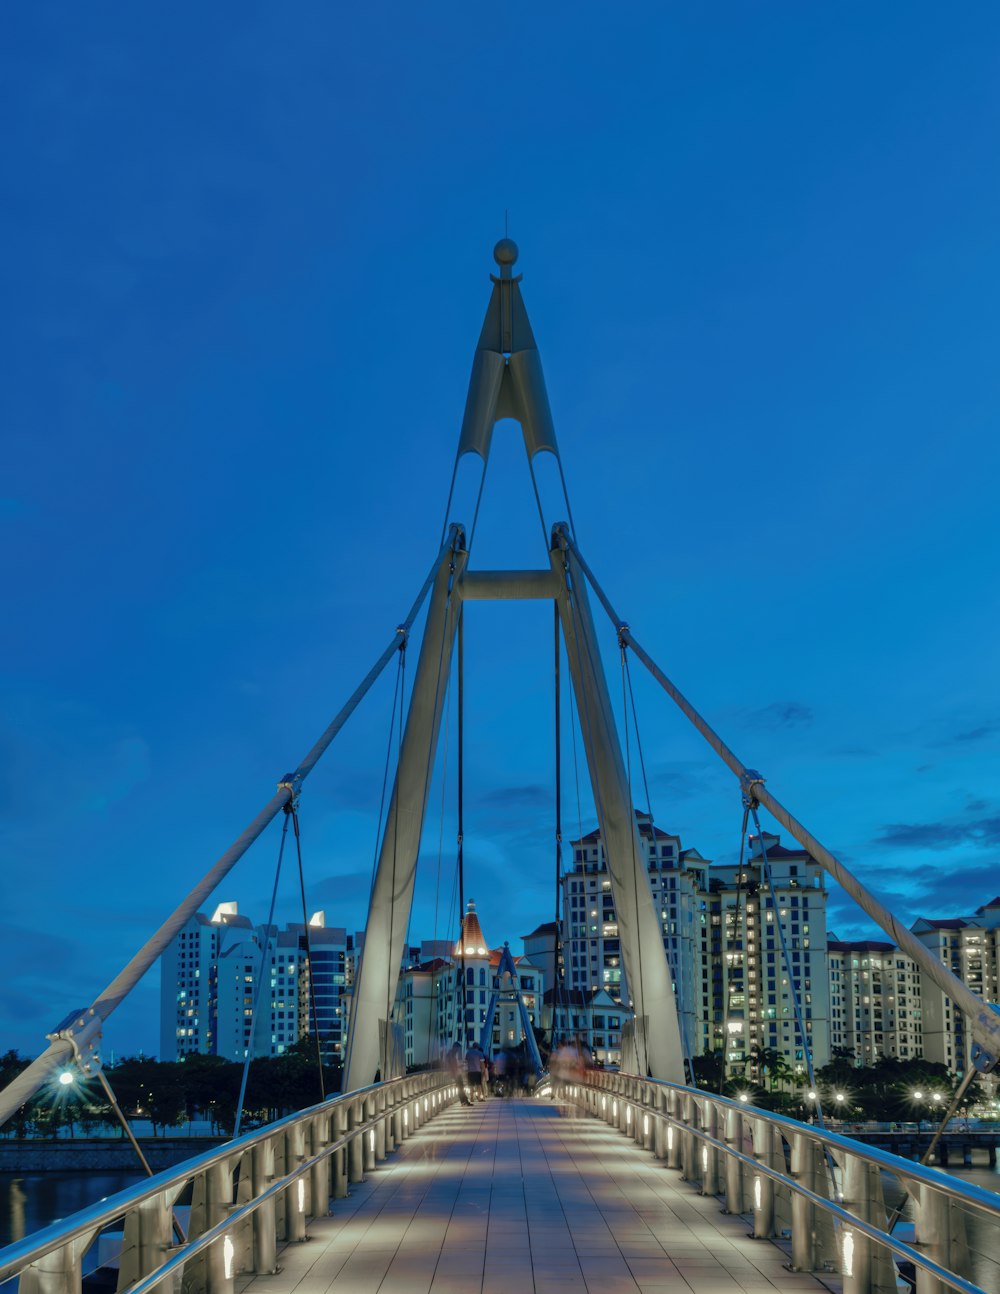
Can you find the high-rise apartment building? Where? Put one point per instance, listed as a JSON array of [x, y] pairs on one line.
[[188, 980], [209, 978], [762, 949], [875, 1001], [970, 947], [590, 945]]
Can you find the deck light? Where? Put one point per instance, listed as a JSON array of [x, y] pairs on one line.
[[758, 1192], [371, 1139], [300, 1191], [704, 1159], [848, 1253], [645, 1125], [228, 1254]]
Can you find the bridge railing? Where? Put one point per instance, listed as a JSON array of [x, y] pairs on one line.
[[246, 1197], [831, 1197]]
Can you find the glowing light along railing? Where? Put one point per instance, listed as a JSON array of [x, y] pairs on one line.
[[322, 1151], [778, 1171]]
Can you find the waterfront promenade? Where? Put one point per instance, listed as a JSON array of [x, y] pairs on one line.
[[509, 1198]]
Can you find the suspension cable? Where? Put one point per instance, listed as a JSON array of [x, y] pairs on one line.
[[292, 812], [248, 1050], [786, 958], [725, 953], [460, 847], [556, 972]]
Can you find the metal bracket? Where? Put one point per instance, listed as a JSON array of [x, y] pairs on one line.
[[292, 783], [748, 781], [984, 1057], [82, 1030]]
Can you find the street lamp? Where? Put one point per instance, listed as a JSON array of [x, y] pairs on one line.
[[66, 1077]]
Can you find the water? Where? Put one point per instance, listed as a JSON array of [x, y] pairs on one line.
[[30, 1201]]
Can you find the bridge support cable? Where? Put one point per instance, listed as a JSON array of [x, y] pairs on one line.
[[786, 958], [291, 811], [657, 1032], [984, 1019], [724, 1071], [463, 995], [392, 892], [79, 1033], [263, 977], [557, 969]]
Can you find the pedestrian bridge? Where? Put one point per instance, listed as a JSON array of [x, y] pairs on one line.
[[624, 1184]]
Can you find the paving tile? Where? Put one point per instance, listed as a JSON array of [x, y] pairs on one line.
[[509, 1198]]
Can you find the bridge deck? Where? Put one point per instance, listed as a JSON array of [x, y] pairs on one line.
[[508, 1198]]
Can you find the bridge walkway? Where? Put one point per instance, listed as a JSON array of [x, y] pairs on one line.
[[510, 1198]]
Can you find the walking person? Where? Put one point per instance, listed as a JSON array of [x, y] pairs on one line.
[[474, 1061]]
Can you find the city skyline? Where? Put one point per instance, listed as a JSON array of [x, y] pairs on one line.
[[759, 258]]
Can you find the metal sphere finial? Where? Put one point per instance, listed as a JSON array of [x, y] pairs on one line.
[[505, 252]]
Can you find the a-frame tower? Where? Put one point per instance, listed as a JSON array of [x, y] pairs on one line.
[[507, 382]]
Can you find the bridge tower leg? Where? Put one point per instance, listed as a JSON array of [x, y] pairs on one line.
[[392, 892], [657, 1030]]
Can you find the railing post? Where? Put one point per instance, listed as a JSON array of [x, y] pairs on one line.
[[58, 1271], [265, 1239], [940, 1233], [866, 1267], [319, 1174], [803, 1168], [381, 1128], [735, 1202], [674, 1145], [369, 1135], [391, 1140], [709, 1158], [295, 1197], [763, 1186], [689, 1171], [659, 1124], [219, 1265], [355, 1150], [340, 1156]]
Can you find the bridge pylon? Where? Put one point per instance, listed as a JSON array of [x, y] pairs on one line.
[[507, 382]]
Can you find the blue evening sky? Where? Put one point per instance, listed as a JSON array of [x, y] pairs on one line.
[[245, 262]]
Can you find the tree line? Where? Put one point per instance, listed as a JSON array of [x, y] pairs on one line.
[[892, 1090], [172, 1094]]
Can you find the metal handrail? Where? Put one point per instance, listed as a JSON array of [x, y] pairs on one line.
[[93, 1219], [617, 1085]]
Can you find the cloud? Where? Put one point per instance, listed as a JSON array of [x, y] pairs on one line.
[[983, 831], [781, 714], [518, 797], [968, 735]]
